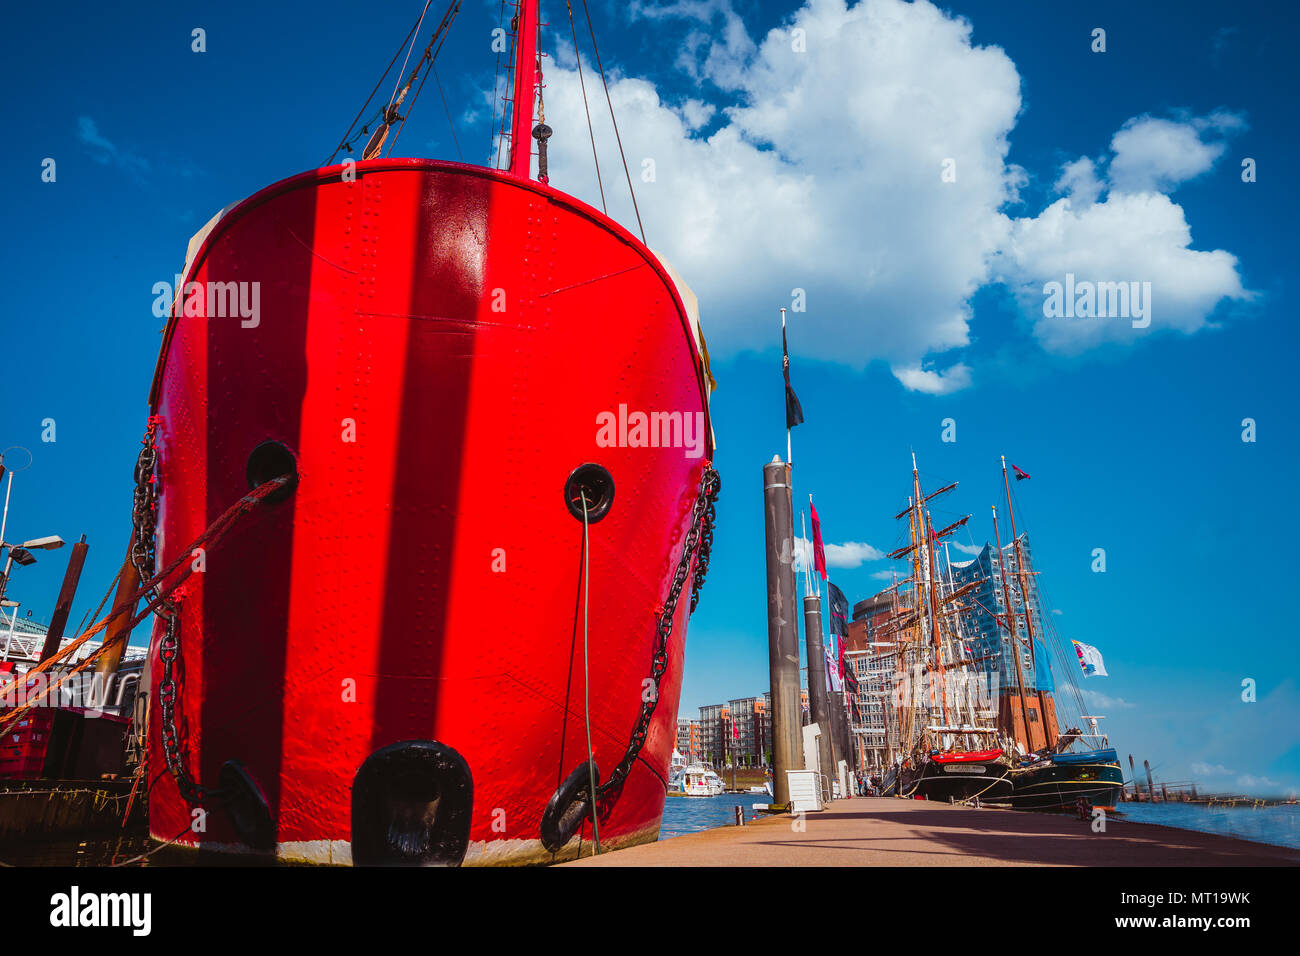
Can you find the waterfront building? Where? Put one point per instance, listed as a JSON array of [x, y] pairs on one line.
[[752, 731], [689, 742], [989, 645], [740, 729]]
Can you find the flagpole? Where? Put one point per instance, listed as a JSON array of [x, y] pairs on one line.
[[1024, 601], [803, 533], [817, 582], [789, 456]]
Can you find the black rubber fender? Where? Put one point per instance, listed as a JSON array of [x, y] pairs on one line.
[[412, 803], [568, 807]]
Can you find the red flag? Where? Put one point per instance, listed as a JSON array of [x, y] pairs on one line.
[[1020, 475], [735, 730], [819, 552]]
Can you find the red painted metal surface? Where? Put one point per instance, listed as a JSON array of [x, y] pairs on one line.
[[24, 747], [527, 77], [466, 328], [966, 756]]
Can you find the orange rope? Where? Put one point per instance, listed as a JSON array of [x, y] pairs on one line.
[[214, 533]]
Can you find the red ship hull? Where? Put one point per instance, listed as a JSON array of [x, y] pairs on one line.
[[433, 345]]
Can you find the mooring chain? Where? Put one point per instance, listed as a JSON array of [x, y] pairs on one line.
[[712, 486], [144, 558], [144, 510], [167, 605], [168, 695], [699, 538]]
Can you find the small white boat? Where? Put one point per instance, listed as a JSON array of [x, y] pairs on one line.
[[697, 780]]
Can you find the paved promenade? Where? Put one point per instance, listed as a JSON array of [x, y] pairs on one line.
[[885, 831]]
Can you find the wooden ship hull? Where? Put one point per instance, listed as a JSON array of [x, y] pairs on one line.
[[1063, 779]]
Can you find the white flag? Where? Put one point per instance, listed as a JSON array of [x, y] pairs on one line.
[[833, 671], [1090, 660]]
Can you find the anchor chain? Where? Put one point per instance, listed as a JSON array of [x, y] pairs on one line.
[[169, 652], [699, 542], [144, 510], [144, 559]]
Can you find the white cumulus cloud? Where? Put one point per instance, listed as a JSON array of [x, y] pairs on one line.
[[1096, 699], [850, 554], [860, 153], [1211, 769], [1155, 154], [1251, 783]]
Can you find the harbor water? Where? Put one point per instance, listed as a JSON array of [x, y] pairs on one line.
[[691, 814], [1278, 825]]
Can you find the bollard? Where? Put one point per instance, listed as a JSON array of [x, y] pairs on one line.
[[740, 816], [782, 628]]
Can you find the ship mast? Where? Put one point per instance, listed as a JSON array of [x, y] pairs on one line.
[[1015, 638], [528, 77], [959, 646], [934, 618], [920, 591], [1024, 597]]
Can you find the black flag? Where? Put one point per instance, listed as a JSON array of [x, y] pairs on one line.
[[839, 624], [839, 611], [793, 410]]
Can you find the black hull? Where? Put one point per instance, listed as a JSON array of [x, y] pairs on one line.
[[989, 781], [1056, 787]]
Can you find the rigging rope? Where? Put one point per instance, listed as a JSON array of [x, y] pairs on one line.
[[496, 75], [426, 63], [508, 92], [586, 108], [388, 115], [1056, 645], [214, 533], [345, 143], [610, 102], [586, 670], [409, 51], [446, 109]]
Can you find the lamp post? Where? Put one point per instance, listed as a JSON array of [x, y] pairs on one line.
[[4, 520], [22, 553]]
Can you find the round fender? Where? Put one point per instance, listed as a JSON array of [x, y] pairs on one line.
[[568, 807]]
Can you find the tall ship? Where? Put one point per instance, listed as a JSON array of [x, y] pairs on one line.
[[967, 691], [948, 745], [448, 625]]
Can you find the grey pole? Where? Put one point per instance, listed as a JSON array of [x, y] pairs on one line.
[[782, 627], [848, 753], [817, 694]]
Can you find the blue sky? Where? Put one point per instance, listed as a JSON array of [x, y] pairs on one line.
[[776, 173]]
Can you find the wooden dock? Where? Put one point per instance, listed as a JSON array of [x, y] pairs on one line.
[[885, 831]]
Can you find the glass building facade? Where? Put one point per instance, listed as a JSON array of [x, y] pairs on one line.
[[987, 641]]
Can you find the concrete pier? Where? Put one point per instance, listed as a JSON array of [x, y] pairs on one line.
[[885, 831]]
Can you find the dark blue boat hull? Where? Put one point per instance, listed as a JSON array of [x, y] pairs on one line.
[[1059, 783]]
